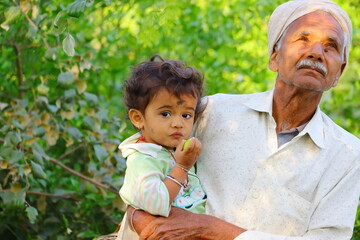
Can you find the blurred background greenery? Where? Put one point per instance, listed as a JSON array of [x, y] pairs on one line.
[[62, 64]]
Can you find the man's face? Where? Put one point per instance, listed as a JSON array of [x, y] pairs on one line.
[[311, 54]]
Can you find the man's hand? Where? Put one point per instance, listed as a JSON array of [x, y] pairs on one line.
[[182, 224]]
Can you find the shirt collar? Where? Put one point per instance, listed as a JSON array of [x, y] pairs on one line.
[[130, 145], [262, 102], [315, 128]]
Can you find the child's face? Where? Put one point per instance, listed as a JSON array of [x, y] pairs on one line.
[[168, 119]]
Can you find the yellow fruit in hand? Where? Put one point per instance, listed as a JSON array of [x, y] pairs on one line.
[[187, 142]]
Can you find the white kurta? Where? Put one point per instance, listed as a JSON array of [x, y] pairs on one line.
[[306, 189]]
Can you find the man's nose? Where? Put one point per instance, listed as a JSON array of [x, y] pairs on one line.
[[316, 52]]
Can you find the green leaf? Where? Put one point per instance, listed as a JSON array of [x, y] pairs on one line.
[[88, 123], [87, 234], [100, 153], [42, 89], [57, 18], [11, 199], [12, 139], [92, 99], [75, 133], [5, 152], [51, 53], [39, 131], [25, 136], [3, 106], [16, 156], [76, 8], [82, 103], [37, 170], [59, 24], [103, 114], [65, 79], [39, 153], [89, 3], [17, 124], [41, 102], [70, 94], [69, 45], [52, 108], [120, 161], [10, 155], [5, 128], [11, 14], [31, 214], [38, 157], [36, 147]]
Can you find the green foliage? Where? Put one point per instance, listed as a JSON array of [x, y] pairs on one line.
[[58, 161], [63, 63]]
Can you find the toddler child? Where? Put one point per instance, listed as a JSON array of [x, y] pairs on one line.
[[163, 100]]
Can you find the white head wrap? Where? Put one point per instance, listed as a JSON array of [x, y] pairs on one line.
[[288, 12]]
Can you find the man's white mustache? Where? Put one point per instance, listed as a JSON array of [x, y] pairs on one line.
[[308, 63]]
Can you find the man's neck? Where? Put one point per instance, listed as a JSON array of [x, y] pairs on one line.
[[293, 107]]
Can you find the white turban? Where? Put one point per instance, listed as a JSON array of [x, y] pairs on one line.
[[288, 12]]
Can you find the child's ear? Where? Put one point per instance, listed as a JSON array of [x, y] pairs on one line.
[[136, 118]]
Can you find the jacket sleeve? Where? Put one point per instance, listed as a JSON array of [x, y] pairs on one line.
[[143, 186]]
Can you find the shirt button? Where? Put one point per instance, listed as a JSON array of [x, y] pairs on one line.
[[256, 195]]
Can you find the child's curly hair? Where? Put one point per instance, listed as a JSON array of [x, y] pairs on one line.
[[148, 77]]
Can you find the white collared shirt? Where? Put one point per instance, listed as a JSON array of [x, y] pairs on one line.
[[306, 189]]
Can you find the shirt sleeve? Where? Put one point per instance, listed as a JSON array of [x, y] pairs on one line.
[[143, 187], [333, 218]]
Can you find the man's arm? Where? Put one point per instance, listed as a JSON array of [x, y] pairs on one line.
[[182, 224]]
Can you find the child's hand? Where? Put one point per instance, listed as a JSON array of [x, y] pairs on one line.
[[188, 156]]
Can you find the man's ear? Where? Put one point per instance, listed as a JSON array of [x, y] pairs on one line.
[[136, 118], [341, 72], [273, 64], [343, 67]]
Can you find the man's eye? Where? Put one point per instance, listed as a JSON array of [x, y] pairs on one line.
[[333, 45], [186, 115], [165, 114]]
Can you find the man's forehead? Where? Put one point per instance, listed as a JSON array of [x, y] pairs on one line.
[[307, 25]]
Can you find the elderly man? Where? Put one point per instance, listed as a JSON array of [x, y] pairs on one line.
[[274, 166]]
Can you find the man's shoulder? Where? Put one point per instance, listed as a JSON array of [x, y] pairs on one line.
[[220, 98], [341, 135]]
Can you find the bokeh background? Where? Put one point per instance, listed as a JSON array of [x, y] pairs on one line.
[[62, 65]]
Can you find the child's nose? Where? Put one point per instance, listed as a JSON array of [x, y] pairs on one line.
[[177, 122]]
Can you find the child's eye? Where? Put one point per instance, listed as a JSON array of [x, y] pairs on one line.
[[165, 114], [186, 115]]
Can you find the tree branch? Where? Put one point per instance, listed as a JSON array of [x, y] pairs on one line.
[[43, 194], [19, 70], [70, 152], [49, 194], [83, 176], [66, 168]]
